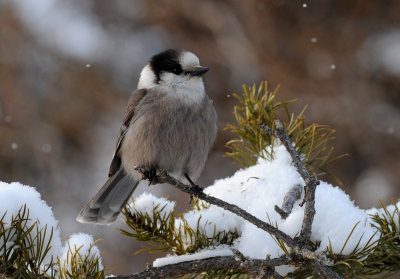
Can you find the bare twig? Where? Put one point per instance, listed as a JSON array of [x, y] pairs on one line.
[[281, 134], [281, 212], [310, 180], [290, 198], [251, 266]]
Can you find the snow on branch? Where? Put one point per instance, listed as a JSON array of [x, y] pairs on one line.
[[310, 180], [251, 266], [30, 241], [328, 236], [290, 198], [299, 252], [235, 226], [198, 192]]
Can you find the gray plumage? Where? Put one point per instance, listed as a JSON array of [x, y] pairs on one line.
[[170, 124], [108, 202]]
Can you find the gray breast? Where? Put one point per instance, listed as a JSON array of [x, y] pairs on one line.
[[171, 135]]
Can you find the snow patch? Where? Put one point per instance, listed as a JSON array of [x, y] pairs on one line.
[[257, 190], [82, 244], [203, 254], [15, 196], [146, 202]]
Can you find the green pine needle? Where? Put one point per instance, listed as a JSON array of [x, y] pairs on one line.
[[24, 247], [80, 266], [160, 232], [259, 106]]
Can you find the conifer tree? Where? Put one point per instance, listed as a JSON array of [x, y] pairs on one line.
[[262, 125]]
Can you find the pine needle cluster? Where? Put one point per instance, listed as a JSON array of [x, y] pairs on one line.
[[260, 106], [80, 266], [170, 231], [24, 247], [378, 258]]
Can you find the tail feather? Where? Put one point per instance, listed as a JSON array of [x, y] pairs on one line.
[[108, 202]]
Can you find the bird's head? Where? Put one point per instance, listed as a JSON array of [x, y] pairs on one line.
[[172, 67]]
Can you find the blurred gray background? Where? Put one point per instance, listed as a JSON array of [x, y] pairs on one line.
[[67, 69]]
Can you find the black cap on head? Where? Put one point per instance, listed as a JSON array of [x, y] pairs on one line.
[[166, 61]]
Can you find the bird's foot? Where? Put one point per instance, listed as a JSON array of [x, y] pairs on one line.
[[195, 187], [152, 176]]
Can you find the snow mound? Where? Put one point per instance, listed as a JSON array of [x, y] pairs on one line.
[[15, 196], [258, 189]]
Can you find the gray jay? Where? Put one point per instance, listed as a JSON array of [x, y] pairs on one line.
[[170, 124]]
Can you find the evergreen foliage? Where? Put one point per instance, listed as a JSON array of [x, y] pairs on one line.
[[23, 248], [380, 258], [160, 231], [259, 106], [80, 266], [377, 259]]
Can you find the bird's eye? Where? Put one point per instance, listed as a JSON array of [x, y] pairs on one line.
[[176, 71]]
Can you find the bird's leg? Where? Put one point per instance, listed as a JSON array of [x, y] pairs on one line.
[[195, 187], [152, 175], [190, 181]]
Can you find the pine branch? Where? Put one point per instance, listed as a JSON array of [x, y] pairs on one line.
[[266, 270], [310, 180], [196, 191], [300, 253], [159, 229], [290, 198], [251, 266], [300, 250], [260, 106]]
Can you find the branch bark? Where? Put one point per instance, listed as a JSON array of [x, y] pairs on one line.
[[290, 198], [251, 266], [323, 270], [310, 180], [163, 177], [297, 247], [300, 253]]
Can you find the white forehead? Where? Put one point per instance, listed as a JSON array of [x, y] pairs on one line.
[[188, 60]]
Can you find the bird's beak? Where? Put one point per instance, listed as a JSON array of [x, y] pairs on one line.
[[198, 71]]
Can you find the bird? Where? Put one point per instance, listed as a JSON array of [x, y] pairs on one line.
[[170, 125]]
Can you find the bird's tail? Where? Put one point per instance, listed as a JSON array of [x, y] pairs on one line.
[[108, 202]]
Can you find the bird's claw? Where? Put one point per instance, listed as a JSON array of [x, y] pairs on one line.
[[152, 176], [195, 187]]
